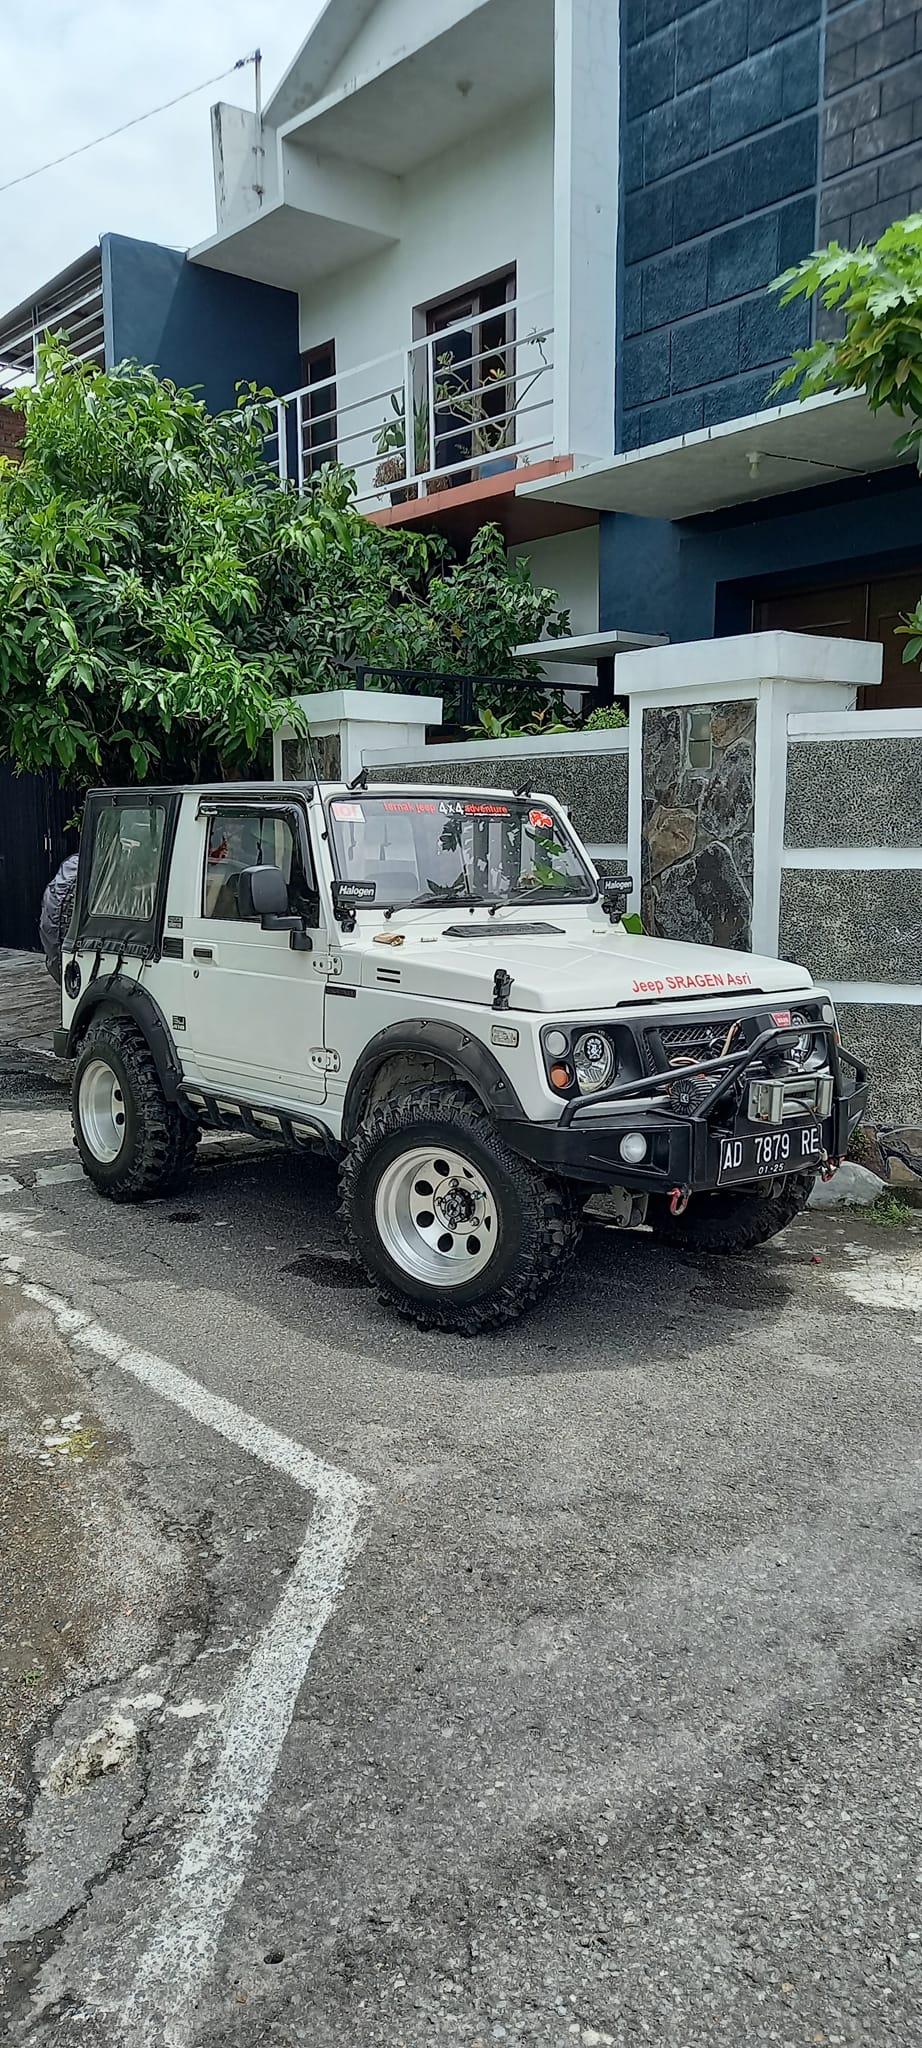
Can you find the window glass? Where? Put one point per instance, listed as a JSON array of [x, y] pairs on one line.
[[127, 846], [253, 839], [465, 848]]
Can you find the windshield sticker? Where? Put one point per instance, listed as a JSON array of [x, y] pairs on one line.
[[541, 820], [348, 814], [414, 808], [677, 984], [487, 811]]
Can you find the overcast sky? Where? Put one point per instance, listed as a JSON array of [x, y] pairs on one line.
[[73, 68]]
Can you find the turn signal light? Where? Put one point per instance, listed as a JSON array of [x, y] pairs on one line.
[[561, 1076]]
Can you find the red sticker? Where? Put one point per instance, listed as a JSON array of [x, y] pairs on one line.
[[782, 1018], [541, 819]]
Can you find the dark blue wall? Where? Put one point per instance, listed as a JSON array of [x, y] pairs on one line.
[[696, 577], [198, 327], [720, 172]]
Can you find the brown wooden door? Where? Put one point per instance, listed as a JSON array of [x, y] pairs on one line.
[[855, 611]]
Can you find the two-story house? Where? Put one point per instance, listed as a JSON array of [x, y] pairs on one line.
[[531, 242]]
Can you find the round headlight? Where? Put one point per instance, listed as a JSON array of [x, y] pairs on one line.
[[800, 1049], [556, 1043], [594, 1062]]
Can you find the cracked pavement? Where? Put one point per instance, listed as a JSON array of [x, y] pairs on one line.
[[612, 1734]]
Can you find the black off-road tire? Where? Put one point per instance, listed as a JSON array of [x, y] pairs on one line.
[[158, 1151], [732, 1220], [539, 1220]]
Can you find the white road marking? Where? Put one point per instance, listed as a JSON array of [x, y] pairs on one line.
[[891, 1281], [55, 1176], [172, 1973]]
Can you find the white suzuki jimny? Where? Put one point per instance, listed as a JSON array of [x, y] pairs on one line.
[[433, 985]]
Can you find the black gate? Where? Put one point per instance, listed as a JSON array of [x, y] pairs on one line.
[[34, 810]]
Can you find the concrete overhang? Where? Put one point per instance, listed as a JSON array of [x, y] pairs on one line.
[[787, 448], [579, 648], [436, 93], [293, 245]]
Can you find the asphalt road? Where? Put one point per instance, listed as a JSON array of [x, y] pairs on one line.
[[558, 1686]]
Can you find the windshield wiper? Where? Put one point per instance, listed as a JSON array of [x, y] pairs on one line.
[[546, 895], [434, 901]]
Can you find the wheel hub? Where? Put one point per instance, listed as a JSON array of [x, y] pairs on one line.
[[456, 1205], [101, 1111], [437, 1219]]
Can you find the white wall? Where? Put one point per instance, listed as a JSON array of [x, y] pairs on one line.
[[568, 563], [472, 211]]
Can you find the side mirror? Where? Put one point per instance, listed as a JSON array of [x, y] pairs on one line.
[[262, 893]]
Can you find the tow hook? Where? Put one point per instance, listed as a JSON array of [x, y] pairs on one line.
[[678, 1201], [831, 1166]]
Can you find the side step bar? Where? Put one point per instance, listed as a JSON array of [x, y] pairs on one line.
[[225, 1113]]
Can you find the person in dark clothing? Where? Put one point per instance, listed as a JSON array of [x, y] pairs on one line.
[[56, 913]]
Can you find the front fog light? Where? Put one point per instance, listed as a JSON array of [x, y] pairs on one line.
[[633, 1148]]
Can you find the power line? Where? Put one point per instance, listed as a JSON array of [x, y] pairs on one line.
[[24, 177]]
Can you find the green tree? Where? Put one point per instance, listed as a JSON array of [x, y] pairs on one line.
[[162, 599], [875, 295]]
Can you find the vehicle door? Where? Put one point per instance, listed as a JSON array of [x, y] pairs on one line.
[[254, 1009]]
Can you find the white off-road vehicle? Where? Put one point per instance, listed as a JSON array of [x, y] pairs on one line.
[[433, 985]]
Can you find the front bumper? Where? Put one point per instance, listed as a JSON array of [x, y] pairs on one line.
[[684, 1151]]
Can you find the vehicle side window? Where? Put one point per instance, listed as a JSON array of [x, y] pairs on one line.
[[254, 839], [126, 862]]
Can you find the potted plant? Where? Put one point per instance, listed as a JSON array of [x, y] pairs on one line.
[[493, 432], [391, 444]]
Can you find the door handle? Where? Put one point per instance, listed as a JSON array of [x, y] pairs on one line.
[[203, 952]]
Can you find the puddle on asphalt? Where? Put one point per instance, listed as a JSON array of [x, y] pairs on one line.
[[327, 1268]]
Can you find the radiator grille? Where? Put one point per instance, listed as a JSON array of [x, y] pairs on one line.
[[702, 1039]]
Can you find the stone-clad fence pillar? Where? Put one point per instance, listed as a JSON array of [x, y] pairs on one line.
[[708, 757]]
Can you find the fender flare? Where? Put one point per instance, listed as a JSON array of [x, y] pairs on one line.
[[471, 1060], [117, 992]]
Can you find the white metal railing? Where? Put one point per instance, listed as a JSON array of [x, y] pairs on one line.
[[455, 407]]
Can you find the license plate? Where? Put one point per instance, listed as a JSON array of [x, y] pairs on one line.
[[763, 1155]]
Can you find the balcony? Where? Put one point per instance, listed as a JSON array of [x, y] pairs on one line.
[[434, 431]]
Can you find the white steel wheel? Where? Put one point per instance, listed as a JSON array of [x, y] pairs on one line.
[[436, 1216], [101, 1111]]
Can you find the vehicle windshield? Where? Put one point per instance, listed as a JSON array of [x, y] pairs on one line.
[[469, 848]]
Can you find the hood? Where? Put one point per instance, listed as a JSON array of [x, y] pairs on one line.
[[576, 970]]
